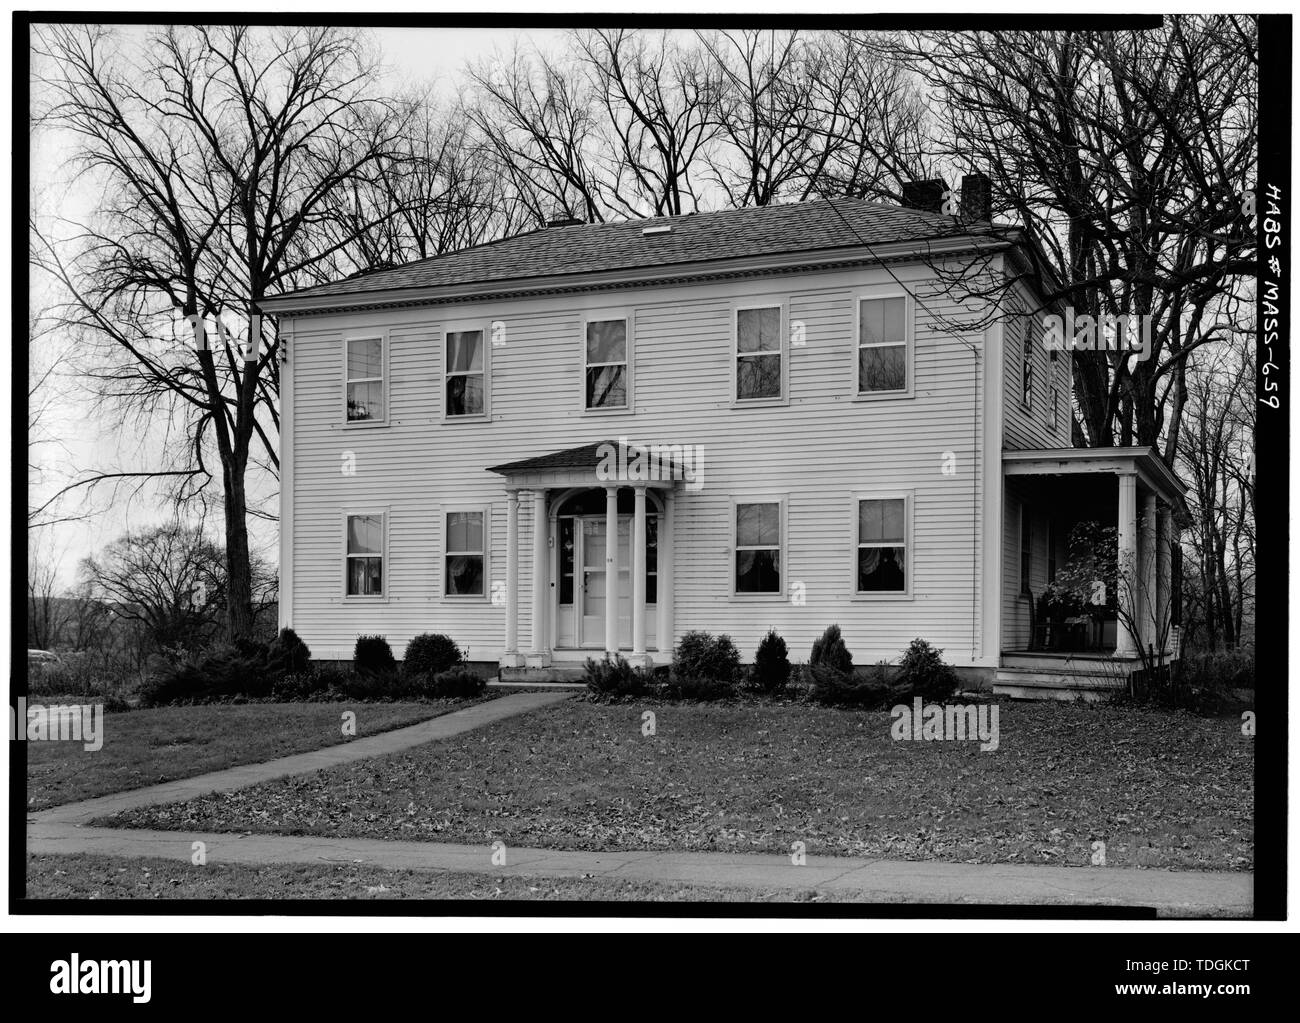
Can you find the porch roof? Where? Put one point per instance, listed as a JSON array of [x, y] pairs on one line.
[[585, 456], [1145, 462], [579, 465]]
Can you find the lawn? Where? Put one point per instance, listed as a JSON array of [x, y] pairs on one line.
[[145, 747], [112, 877], [1159, 789]]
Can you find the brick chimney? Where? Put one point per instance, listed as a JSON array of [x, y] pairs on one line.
[[976, 198], [925, 195]]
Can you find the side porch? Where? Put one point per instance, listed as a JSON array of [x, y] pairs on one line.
[[1077, 628]]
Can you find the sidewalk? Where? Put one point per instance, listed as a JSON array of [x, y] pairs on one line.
[[1169, 892], [63, 830], [442, 727]]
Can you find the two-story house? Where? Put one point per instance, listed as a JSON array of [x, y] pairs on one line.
[[596, 437]]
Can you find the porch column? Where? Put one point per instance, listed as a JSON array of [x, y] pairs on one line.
[[511, 658], [1125, 641], [1164, 573], [539, 654], [1147, 597], [664, 589], [611, 570], [638, 577]]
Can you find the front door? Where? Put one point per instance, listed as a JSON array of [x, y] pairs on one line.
[[583, 588], [593, 584]]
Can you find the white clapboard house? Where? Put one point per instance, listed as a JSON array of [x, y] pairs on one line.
[[597, 437]]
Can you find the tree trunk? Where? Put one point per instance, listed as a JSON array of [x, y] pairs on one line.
[[239, 576]]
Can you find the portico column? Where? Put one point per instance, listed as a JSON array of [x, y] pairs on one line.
[[664, 574], [638, 576], [611, 570], [1164, 573], [1147, 602], [539, 652], [1125, 641], [511, 658]]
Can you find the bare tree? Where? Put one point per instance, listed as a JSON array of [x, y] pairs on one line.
[[1126, 157], [1215, 455], [220, 152]]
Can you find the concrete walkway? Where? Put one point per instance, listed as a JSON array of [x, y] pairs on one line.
[[62, 830], [442, 727]]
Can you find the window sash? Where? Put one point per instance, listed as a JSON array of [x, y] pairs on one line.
[[463, 561], [773, 548], [350, 382], [883, 341], [471, 402], [616, 382], [360, 579], [898, 542]]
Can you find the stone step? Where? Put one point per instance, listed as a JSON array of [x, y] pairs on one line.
[[1057, 683], [571, 675]]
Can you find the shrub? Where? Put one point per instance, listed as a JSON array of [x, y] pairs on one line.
[[457, 684], [220, 672], [771, 664], [287, 654], [700, 655], [695, 687], [82, 674], [923, 672], [835, 687], [300, 686], [1217, 670], [610, 678], [829, 651], [373, 656], [430, 653]]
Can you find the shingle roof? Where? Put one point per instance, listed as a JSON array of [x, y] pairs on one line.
[[586, 456], [590, 248]]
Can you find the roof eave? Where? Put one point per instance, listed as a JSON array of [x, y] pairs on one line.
[[304, 304]]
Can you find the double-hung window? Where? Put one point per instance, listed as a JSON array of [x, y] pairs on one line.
[[465, 556], [607, 378], [882, 545], [364, 574], [365, 379], [882, 345], [1027, 367], [757, 566], [465, 370], [759, 359]]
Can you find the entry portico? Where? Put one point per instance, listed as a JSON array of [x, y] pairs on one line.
[[598, 542]]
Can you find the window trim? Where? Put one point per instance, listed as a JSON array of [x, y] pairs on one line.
[[460, 326], [443, 554], [629, 356], [355, 512], [909, 342], [779, 594], [1026, 362], [871, 494], [783, 337], [362, 424]]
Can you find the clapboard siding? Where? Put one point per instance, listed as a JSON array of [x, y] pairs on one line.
[[1027, 428], [816, 451]]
